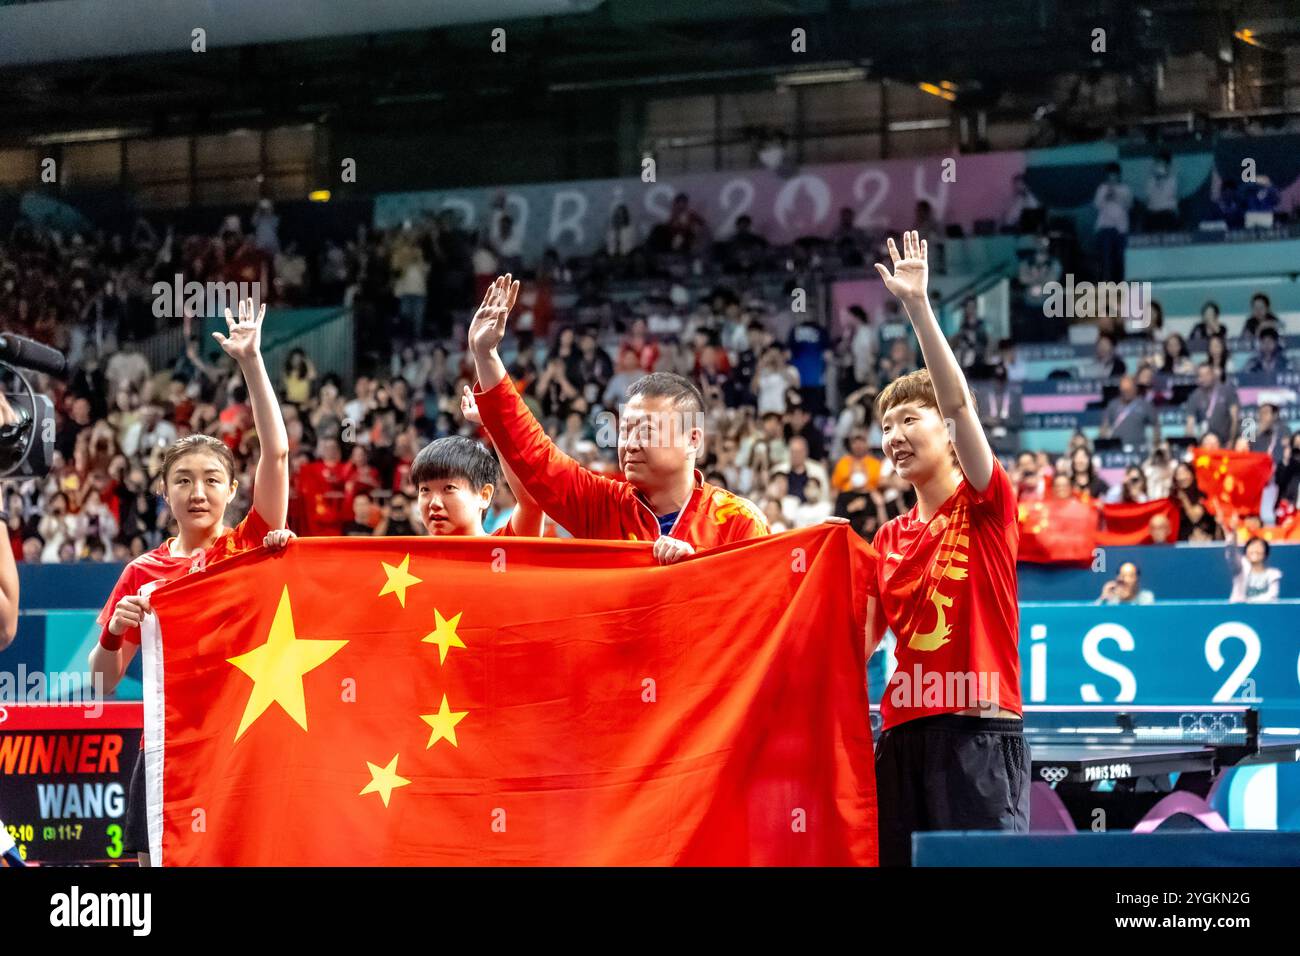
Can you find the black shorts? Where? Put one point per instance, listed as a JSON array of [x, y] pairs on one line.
[[950, 772], [135, 837]]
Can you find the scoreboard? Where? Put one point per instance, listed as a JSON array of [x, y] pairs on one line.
[[64, 772]]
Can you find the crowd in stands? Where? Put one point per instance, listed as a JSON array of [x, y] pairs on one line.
[[788, 400]]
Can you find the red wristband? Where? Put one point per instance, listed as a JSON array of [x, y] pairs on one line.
[[110, 641]]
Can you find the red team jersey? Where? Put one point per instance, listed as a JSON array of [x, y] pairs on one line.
[[161, 565], [948, 591]]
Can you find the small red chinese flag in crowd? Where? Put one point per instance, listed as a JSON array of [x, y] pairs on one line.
[[1130, 523], [1057, 530], [490, 701], [1232, 481]]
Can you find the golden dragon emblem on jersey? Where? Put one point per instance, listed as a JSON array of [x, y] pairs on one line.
[[728, 506], [952, 549]]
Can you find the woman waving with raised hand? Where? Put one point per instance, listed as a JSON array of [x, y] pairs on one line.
[[198, 482]]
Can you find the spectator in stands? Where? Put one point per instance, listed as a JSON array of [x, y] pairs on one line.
[[683, 232], [1269, 358], [931, 230], [970, 343], [1213, 406], [620, 235], [266, 228], [1001, 410], [299, 377], [1159, 472], [858, 350], [360, 523], [1106, 363], [1132, 491], [858, 470], [1162, 195], [1262, 201], [799, 422], [1159, 529], [503, 238], [1126, 588], [1083, 476], [1230, 205], [1261, 316], [815, 507], [1210, 325], [410, 273], [810, 354], [1018, 216], [1061, 488], [1219, 356], [746, 250], [774, 381], [1150, 325], [1253, 581], [1128, 416], [1113, 200], [1191, 505], [1271, 434], [850, 242], [1176, 359], [1287, 479], [901, 360], [1037, 271], [1028, 478]]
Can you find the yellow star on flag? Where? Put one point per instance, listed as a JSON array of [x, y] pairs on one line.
[[443, 723], [277, 668], [443, 634], [399, 579], [384, 780]]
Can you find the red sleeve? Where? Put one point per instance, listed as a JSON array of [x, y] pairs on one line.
[[570, 494], [250, 532], [127, 583], [999, 498], [505, 531]]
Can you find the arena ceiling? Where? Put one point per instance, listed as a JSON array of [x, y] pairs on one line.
[[983, 46]]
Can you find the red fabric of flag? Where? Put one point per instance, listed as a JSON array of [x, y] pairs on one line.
[[487, 701], [1129, 523], [1232, 481], [1056, 530]]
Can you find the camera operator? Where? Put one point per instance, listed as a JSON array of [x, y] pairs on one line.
[[8, 567]]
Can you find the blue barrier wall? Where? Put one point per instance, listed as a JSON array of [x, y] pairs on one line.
[[1181, 572]]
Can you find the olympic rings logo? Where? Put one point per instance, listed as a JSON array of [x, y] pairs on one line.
[[1053, 774], [1212, 726]]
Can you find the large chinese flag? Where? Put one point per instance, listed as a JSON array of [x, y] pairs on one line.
[[1232, 481], [412, 701], [1057, 530], [1130, 522]]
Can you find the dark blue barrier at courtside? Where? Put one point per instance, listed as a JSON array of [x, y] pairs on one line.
[[1184, 572], [1106, 849]]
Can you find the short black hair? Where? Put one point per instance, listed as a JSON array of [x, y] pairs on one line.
[[1113, 167], [1268, 332], [1260, 295], [1264, 541], [456, 457], [677, 389]]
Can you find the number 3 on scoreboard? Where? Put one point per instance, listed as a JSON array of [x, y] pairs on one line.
[[114, 850]]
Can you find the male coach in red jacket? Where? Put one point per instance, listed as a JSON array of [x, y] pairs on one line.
[[663, 499]]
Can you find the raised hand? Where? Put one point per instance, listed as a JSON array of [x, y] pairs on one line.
[[488, 326], [245, 339], [911, 269], [469, 407]]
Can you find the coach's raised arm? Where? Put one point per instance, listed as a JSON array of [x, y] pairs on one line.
[[664, 499]]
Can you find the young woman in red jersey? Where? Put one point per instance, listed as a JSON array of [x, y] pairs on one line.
[[952, 755], [198, 482]]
